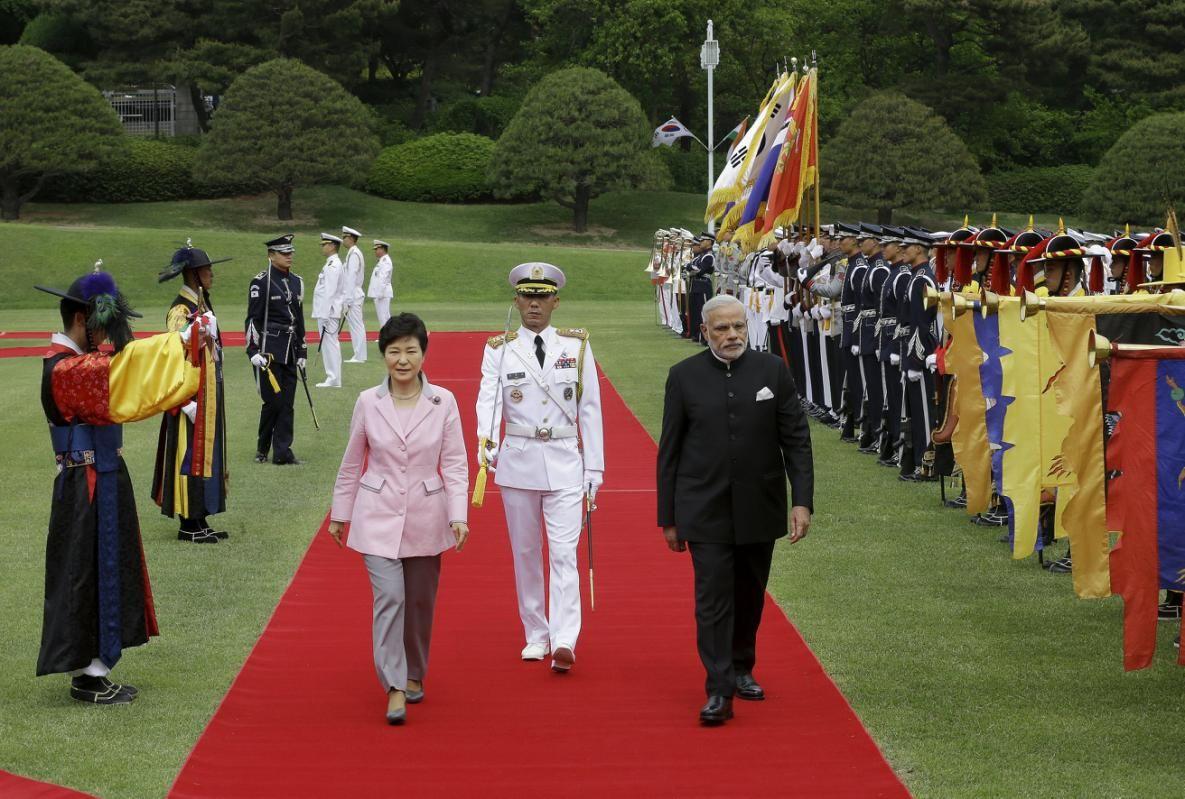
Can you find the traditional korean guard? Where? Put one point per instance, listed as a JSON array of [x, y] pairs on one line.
[[276, 347], [352, 294], [97, 596], [193, 492], [379, 288], [542, 382], [329, 310]]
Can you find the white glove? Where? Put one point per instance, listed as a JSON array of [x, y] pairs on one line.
[[814, 312], [824, 311], [300, 363], [802, 274], [932, 362], [855, 349], [592, 481], [190, 410], [185, 334], [260, 360], [894, 359], [211, 322], [914, 375], [491, 452]]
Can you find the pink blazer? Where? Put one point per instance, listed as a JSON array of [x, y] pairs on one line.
[[415, 479]]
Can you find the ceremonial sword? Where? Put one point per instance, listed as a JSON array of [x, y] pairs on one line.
[[479, 483], [590, 506], [305, 382]]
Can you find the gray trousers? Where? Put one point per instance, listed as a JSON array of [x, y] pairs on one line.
[[404, 601]]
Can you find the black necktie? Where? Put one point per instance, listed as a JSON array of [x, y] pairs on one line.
[[539, 350]]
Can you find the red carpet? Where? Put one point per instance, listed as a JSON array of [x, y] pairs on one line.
[[305, 717], [14, 787]]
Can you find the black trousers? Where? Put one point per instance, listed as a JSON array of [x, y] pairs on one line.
[[835, 373], [701, 290], [874, 405], [275, 417], [730, 582], [814, 367], [854, 391], [893, 399], [919, 397]]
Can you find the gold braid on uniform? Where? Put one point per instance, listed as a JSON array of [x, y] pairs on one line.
[[497, 341]]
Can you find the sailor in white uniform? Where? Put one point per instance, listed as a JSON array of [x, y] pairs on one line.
[[352, 294], [379, 288], [542, 382], [328, 311]]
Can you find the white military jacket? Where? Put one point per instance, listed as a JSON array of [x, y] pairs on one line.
[[327, 295], [351, 288], [541, 399], [380, 279]]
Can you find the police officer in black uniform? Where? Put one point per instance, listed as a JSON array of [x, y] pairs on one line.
[[276, 347], [700, 270]]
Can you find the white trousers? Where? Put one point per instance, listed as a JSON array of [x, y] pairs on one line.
[[357, 330], [528, 515], [382, 309], [331, 350]]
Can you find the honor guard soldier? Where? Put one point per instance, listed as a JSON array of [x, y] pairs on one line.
[[699, 271], [329, 310], [542, 381], [276, 347], [352, 294], [174, 488], [379, 288]]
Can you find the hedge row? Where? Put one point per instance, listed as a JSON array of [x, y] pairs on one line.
[[1040, 190], [149, 170], [445, 167]]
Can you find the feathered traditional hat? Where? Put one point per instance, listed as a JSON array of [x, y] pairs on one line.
[[188, 257], [106, 307]]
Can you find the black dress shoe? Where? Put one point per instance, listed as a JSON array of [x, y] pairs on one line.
[[717, 711], [747, 688], [291, 460], [261, 457]]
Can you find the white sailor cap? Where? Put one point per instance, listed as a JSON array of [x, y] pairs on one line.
[[349, 231], [381, 243], [537, 277], [329, 237]]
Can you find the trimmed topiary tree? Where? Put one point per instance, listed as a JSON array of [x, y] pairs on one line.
[[282, 125], [1142, 174], [1040, 190], [577, 135], [447, 167], [892, 152], [52, 122]]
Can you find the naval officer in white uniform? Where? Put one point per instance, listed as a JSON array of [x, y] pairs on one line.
[[328, 311], [352, 294], [542, 382]]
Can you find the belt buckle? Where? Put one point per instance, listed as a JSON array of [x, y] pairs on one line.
[[543, 433]]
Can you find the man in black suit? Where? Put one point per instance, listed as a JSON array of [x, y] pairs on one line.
[[732, 433]]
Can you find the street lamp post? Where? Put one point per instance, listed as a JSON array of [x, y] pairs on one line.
[[709, 57]]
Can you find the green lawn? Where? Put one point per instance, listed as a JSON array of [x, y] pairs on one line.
[[978, 676]]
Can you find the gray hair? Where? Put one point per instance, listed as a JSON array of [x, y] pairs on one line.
[[720, 301]]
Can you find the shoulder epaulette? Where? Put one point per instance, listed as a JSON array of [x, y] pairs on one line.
[[572, 332], [500, 339], [261, 275]]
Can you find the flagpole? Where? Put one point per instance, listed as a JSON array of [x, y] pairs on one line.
[[709, 57]]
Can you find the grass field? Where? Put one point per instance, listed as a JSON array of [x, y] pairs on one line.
[[978, 676]]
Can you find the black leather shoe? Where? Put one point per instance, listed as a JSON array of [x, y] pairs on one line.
[[747, 688], [291, 460], [261, 457], [717, 711]]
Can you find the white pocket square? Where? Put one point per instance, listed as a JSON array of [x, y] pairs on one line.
[[764, 394]]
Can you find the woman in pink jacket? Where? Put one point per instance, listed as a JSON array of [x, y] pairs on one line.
[[402, 487]]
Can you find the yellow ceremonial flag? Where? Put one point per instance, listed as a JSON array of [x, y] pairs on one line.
[[1084, 511], [1022, 468], [969, 441]]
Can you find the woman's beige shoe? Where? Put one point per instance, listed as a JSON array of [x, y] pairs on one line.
[[415, 692], [396, 707]]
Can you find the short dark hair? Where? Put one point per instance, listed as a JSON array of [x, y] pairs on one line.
[[68, 308], [405, 324]]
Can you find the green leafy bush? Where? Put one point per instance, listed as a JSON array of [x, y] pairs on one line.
[[445, 167], [150, 170], [1040, 190], [485, 116]]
